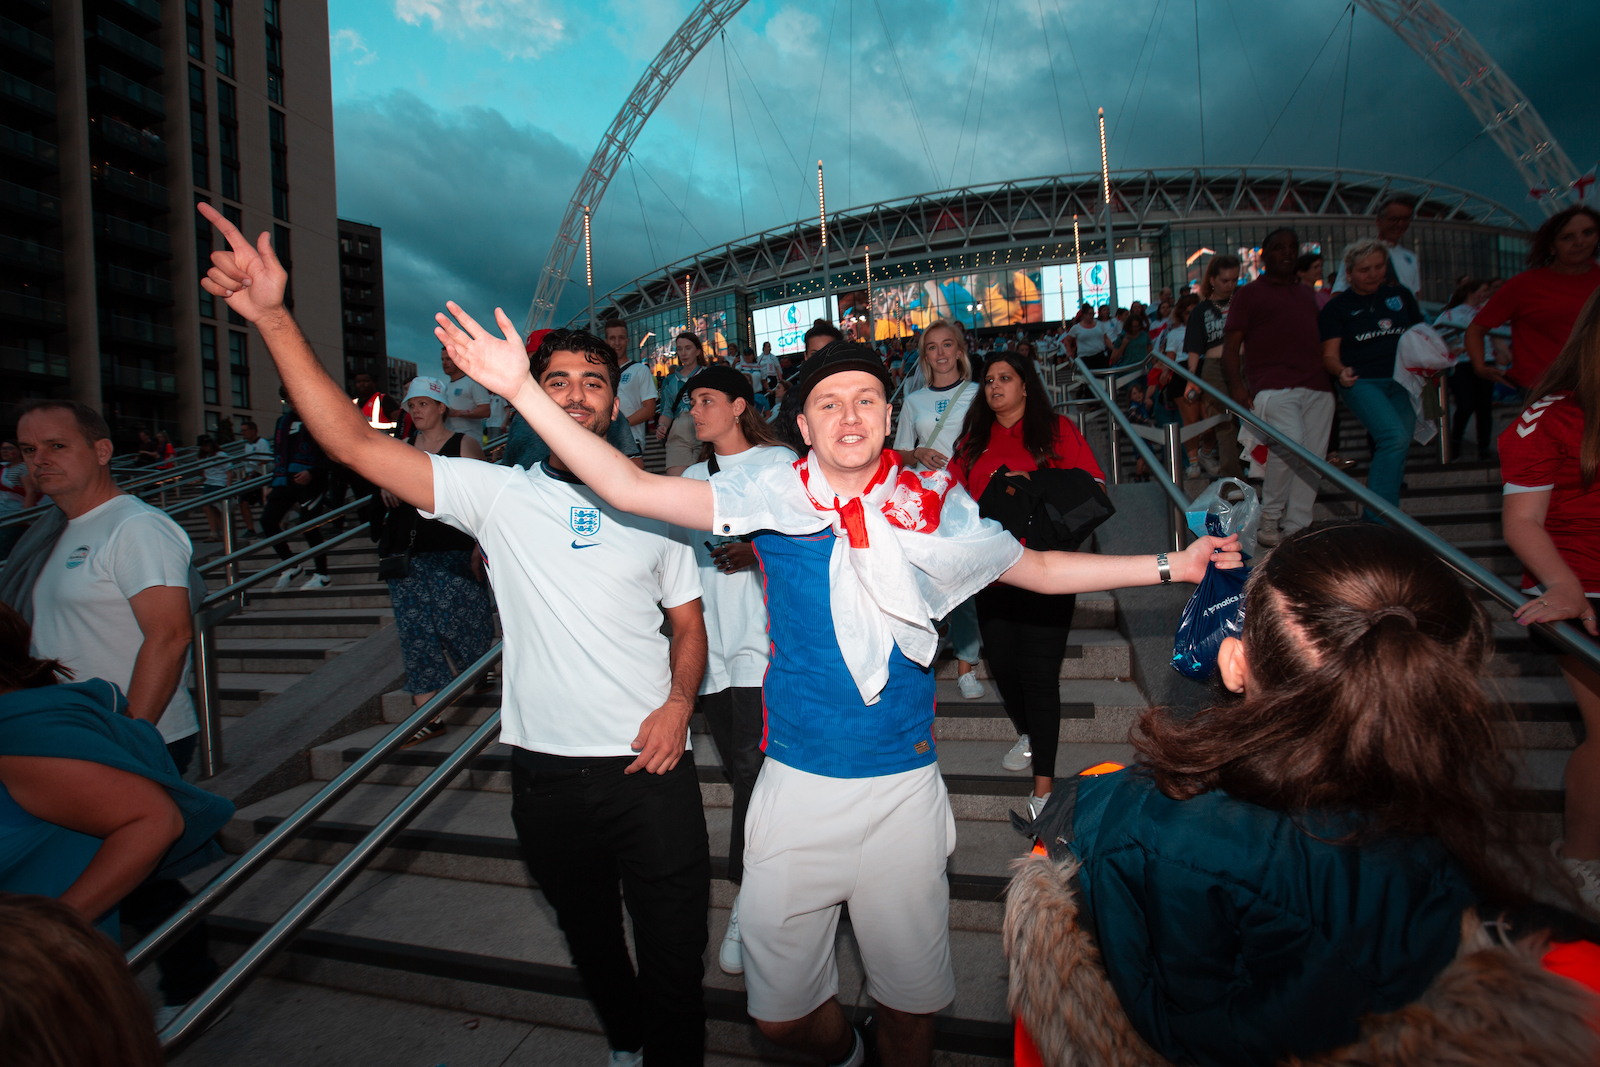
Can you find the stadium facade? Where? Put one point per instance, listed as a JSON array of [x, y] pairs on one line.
[[1003, 254]]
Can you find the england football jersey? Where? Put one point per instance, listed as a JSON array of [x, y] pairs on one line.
[[578, 583]]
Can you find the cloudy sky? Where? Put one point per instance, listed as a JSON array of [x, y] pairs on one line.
[[462, 126]]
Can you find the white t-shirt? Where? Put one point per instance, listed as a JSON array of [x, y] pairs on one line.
[[577, 583], [256, 459], [770, 367], [216, 477], [464, 394], [921, 412], [1092, 340], [497, 412], [735, 604], [635, 386], [1406, 271], [81, 614]]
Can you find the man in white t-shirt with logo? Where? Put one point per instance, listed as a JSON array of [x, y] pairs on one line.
[[470, 403], [636, 389], [771, 368], [112, 602], [596, 702], [1394, 219]]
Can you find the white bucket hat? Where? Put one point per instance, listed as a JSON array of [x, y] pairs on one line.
[[428, 388]]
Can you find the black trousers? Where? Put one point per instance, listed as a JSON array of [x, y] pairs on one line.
[[737, 720], [1024, 642], [587, 829], [187, 967], [309, 500], [1474, 399]]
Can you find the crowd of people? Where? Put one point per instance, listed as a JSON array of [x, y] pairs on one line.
[[1336, 827]]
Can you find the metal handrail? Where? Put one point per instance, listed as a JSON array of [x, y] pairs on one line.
[[1569, 637], [280, 537], [306, 909], [155, 481]]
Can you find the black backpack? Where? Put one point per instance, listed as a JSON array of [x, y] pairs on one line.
[[1047, 510]]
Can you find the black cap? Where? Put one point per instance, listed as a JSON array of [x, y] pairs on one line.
[[839, 356], [724, 379]]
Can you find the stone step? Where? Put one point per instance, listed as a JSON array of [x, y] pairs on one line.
[[267, 655], [242, 692], [495, 950], [325, 622], [365, 595], [1090, 654]]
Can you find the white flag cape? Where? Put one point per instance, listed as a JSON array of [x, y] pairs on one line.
[[905, 553]]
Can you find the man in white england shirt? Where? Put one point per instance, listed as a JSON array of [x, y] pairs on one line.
[[470, 403], [1394, 219], [596, 702], [636, 391]]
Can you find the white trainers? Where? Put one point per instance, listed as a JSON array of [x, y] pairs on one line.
[[1020, 756], [1268, 534], [1585, 875], [1210, 462], [317, 581], [731, 957], [286, 577], [971, 688], [1036, 805], [627, 1059]]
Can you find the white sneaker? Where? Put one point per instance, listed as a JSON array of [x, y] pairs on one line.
[[1191, 469], [1036, 805], [971, 688], [317, 581], [1020, 756], [286, 577], [1585, 875], [731, 957], [1209, 461], [627, 1059], [1268, 533]]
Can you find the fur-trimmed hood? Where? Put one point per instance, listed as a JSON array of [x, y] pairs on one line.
[[1493, 1006]]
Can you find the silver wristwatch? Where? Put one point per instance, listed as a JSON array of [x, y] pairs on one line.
[[1164, 567]]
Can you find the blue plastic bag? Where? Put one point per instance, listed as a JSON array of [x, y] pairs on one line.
[[1215, 611]]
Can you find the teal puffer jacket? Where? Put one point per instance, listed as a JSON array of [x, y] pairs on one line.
[[1233, 936]]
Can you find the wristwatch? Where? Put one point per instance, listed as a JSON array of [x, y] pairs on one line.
[[1164, 567]]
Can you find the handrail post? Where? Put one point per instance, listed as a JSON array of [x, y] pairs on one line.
[[1175, 460], [208, 701], [1116, 451], [227, 538], [1444, 418]]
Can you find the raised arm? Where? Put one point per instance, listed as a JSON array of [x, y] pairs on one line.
[[1083, 572], [501, 364], [252, 282]]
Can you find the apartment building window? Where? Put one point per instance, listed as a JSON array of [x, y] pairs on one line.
[[239, 368], [280, 245], [200, 165], [274, 53], [223, 20], [279, 143], [228, 139], [202, 260], [208, 363]]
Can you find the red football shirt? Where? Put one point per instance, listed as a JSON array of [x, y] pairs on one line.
[[1006, 450], [1540, 452], [1541, 306]]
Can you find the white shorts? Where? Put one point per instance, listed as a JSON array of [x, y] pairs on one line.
[[812, 843]]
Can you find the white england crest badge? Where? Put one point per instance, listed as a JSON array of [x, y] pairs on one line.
[[585, 522]]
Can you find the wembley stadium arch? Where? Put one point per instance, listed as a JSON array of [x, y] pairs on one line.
[[1003, 254]]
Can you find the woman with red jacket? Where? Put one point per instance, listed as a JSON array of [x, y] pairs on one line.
[[1024, 633]]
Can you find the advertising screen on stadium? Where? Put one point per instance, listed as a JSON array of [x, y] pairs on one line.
[[1059, 283], [785, 325]]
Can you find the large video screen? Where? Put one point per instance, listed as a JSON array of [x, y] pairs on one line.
[[1059, 283], [785, 325]]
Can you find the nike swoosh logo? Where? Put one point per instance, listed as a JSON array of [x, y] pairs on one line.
[[593, 544]]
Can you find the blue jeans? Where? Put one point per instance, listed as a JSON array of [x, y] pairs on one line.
[[1384, 408], [964, 637]]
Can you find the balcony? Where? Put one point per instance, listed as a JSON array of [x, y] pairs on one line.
[[19, 254], [130, 186], [130, 45], [151, 381], [121, 135], [27, 361], [129, 91], [359, 274], [26, 94], [25, 201], [360, 342], [127, 282], [136, 331], [149, 10], [22, 40], [15, 305], [26, 146], [132, 235]]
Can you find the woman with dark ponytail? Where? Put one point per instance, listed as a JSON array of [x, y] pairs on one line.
[[1298, 873]]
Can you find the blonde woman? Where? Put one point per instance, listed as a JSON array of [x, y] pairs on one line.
[[930, 423]]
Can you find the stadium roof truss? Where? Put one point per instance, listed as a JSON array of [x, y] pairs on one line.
[[999, 215]]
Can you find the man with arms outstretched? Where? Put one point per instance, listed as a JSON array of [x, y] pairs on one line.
[[849, 805], [596, 705]]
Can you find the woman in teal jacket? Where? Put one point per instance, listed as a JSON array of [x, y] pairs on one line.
[[1299, 870]]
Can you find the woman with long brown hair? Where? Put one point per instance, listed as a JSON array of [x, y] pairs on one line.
[[1549, 459], [1294, 873], [1203, 341]]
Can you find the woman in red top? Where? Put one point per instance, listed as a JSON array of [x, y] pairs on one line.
[[1549, 459], [1541, 303], [1024, 636]]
